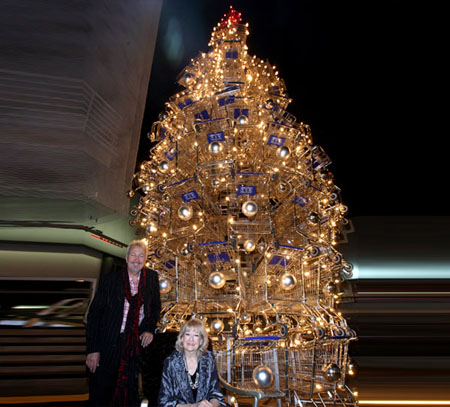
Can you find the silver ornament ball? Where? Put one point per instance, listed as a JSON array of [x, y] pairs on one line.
[[163, 166], [152, 229], [313, 218], [215, 147], [249, 208], [261, 247], [287, 281], [330, 288], [249, 245], [245, 317], [185, 212], [164, 285], [217, 326], [188, 78], [163, 116], [263, 376], [217, 279], [283, 152], [242, 119], [332, 372]]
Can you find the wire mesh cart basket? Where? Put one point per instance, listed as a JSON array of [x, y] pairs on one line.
[[306, 375]]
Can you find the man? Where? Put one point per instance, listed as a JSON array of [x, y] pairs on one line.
[[121, 318]]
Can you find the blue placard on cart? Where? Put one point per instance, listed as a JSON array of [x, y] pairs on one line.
[[240, 112], [171, 154], [246, 190], [170, 264], [214, 258], [189, 196], [227, 100], [276, 141], [278, 260], [231, 54], [301, 200], [203, 115], [187, 102], [219, 136]]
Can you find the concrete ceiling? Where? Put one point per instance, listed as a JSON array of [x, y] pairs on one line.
[[73, 83]]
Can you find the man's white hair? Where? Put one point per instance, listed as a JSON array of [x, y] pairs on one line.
[[138, 243]]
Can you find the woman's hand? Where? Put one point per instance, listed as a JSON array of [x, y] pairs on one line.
[[204, 403]]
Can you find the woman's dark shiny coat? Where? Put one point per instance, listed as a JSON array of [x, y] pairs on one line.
[[175, 388]]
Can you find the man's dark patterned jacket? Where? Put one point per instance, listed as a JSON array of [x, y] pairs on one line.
[[106, 312]]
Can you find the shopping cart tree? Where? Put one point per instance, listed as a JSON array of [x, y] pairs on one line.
[[242, 219]]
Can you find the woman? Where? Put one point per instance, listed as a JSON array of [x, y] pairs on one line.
[[189, 377]]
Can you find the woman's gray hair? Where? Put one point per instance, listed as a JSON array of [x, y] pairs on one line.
[[197, 326], [138, 243]]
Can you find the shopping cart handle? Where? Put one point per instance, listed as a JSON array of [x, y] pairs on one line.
[[256, 394]]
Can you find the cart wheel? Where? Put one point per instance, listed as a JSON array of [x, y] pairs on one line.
[[347, 270], [339, 332], [335, 258], [320, 333], [350, 333], [333, 196], [348, 266], [315, 251], [284, 329]]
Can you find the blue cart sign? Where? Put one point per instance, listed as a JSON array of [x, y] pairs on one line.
[[189, 196], [276, 141], [214, 258], [246, 190], [301, 200], [171, 154], [219, 136]]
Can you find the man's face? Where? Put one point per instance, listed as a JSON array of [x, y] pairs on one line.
[[136, 259]]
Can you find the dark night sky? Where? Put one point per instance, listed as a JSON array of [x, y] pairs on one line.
[[364, 75]]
